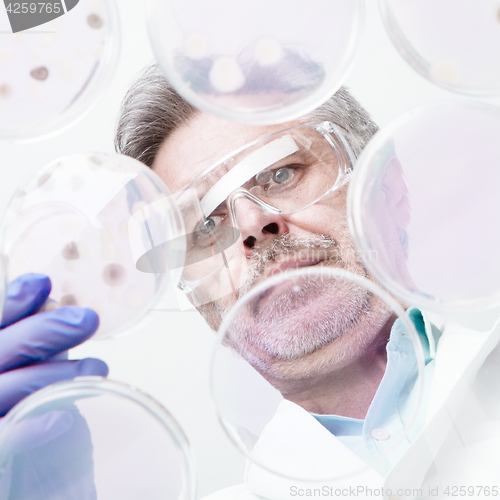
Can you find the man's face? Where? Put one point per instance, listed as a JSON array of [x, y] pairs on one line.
[[271, 243]]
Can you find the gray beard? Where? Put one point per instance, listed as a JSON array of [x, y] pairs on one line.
[[296, 322]]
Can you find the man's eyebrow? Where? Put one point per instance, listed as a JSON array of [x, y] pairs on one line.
[[247, 168]]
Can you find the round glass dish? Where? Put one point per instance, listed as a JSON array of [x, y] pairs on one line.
[[243, 62], [106, 231], [94, 438], [52, 74], [452, 43], [310, 332], [424, 209]]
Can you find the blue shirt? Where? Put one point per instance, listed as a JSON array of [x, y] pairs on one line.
[[380, 438]]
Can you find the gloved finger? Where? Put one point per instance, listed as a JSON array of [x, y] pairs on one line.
[[25, 295], [35, 431], [60, 468], [45, 334], [17, 384]]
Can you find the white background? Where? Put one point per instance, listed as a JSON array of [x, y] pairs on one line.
[[168, 355]]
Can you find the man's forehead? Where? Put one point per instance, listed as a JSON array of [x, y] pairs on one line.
[[199, 143]]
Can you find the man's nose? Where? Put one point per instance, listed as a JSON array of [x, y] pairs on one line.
[[256, 224]]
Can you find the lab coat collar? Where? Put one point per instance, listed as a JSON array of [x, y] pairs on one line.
[[315, 452], [428, 333], [295, 441], [460, 354]]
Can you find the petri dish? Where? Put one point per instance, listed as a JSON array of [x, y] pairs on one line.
[[452, 43], [94, 438], [52, 74], [301, 333], [104, 228], [242, 62], [424, 210]]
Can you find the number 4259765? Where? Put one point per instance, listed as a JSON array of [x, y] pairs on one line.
[[33, 8]]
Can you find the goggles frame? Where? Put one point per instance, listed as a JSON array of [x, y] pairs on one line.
[[330, 132]]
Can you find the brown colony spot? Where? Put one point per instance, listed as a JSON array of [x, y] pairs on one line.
[[96, 160], [5, 91], [41, 73], [68, 300], [42, 179], [70, 251], [113, 274], [94, 21]]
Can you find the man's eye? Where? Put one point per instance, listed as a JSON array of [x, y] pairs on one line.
[[282, 175], [278, 176], [209, 224]]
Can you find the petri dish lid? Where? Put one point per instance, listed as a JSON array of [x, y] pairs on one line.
[[106, 231], [94, 438], [424, 210], [452, 43], [242, 62], [52, 74], [293, 336]]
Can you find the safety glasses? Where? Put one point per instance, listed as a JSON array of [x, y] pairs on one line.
[[283, 173]]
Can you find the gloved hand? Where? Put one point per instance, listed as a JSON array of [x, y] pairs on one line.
[[28, 341], [48, 456]]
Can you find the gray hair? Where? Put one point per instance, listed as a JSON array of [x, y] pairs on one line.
[[152, 110]]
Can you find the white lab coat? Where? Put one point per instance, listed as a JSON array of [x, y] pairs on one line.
[[459, 445]]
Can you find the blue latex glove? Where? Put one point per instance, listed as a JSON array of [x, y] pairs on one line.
[[28, 341], [48, 456]]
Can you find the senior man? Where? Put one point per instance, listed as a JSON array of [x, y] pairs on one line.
[[340, 385], [182, 143], [334, 381]]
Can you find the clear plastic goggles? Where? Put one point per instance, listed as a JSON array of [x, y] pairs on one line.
[[283, 173]]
